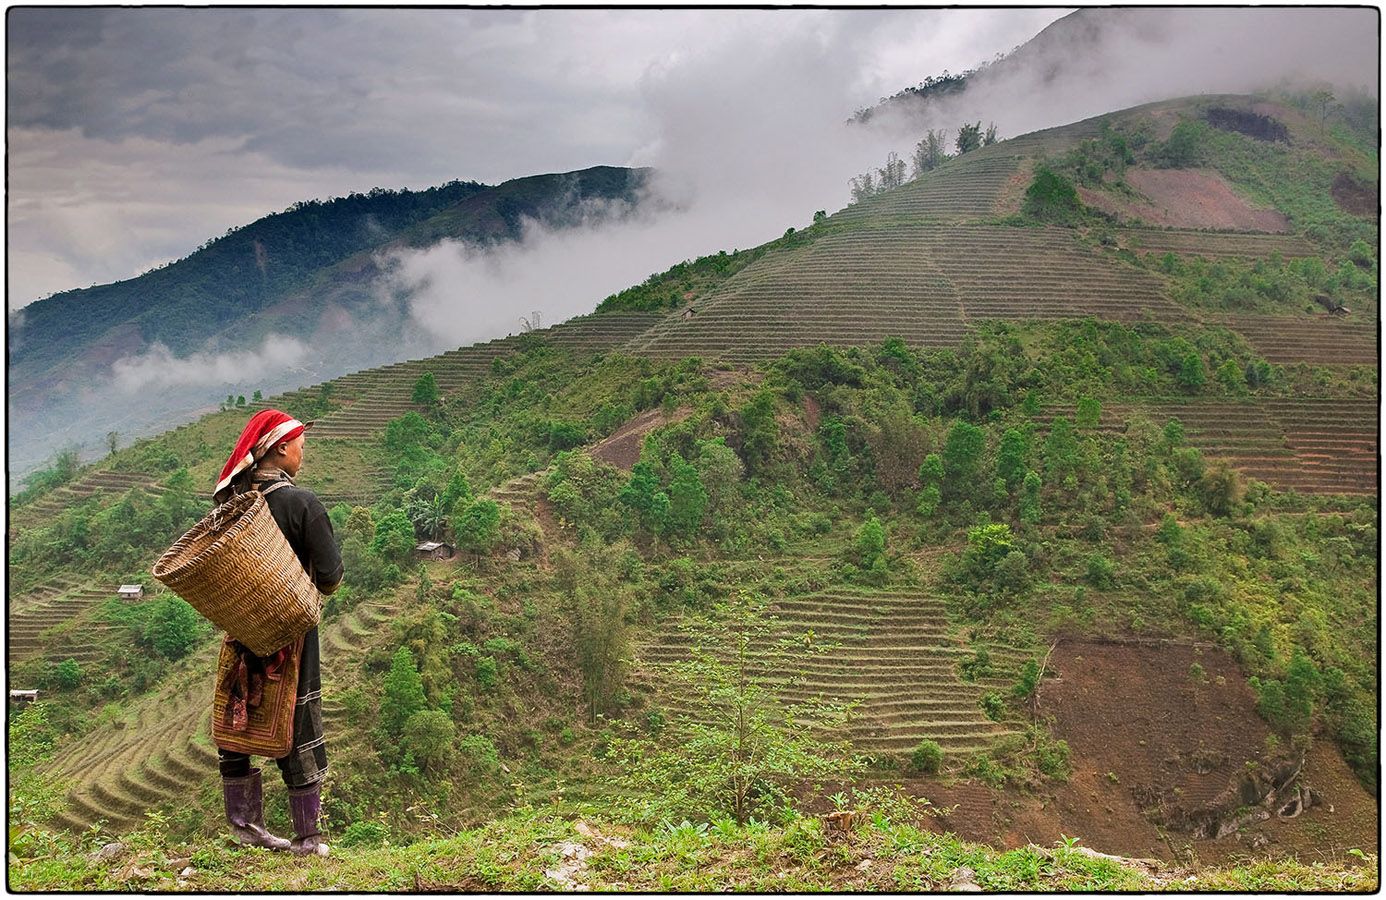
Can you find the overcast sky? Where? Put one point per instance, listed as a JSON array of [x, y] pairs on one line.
[[134, 135]]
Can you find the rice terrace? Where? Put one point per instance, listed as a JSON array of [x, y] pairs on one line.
[[1013, 527]]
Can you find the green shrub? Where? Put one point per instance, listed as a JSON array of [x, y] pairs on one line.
[[979, 666], [993, 705], [174, 628], [1101, 571], [480, 753], [425, 390], [364, 834], [428, 737], [487, 673], [927, 758], [1052, 198], [1052, 758], [1027, 681], [67, 674], [402, 695], [1013, 572], [871, 543]]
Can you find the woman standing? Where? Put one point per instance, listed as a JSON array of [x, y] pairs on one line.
[[267, 457]]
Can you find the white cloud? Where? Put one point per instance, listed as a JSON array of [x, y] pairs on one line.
[[157, 367]]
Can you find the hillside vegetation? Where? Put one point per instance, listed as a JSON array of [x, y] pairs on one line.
[[298, 274], [862, 490]]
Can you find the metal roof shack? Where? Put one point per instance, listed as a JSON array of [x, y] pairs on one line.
[[435, 550]]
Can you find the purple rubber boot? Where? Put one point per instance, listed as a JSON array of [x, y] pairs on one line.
[[245, 812], [305, 806]]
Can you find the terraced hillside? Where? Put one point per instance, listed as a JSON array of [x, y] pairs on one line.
[[922, 283], [894, 656], [161, 753], [59, 626], [89, 485], [1318, 445], [1213, 244], [1320, 339], [373, 397]]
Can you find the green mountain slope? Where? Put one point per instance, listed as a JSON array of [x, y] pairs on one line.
[[967, 456], [297, 274]]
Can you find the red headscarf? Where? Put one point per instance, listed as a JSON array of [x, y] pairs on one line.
[[265, 429]]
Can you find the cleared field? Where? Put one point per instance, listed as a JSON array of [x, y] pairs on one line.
[[892, 654], [921, 283]]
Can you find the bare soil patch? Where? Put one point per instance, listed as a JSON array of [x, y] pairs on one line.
[[1184, 198], [1355, 197], [622, 447], [1012, 194], [1137, 723]]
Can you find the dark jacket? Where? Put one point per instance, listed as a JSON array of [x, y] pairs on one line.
[[301, 516]]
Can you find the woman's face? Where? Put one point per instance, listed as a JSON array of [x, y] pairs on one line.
[[291, 455]]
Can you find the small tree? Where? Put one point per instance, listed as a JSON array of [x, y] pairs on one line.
[[1089, 412], [1030, 498], [687, 497], [256, 397], [1060, 450], [425, 391], [402, 694], [741, 752], [428, 737], [1012, 456], [990, 137], [1191, 373], [871, 543], [759, 431], [478, 527], [112, 440], [394, 537], [892, 175], [863, 186], [174, 628], [962, 456], [930, 152], [969, 137], [931, 479], [597, 600], [67, 674]]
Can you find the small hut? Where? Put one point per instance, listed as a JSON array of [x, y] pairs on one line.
[[435, 550], [130, 592], [21, 697]]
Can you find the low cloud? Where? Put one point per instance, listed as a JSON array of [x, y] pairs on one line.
[[157, 367], [1103, 60]]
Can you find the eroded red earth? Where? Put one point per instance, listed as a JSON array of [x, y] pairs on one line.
[[1184, 198], [1140, 720]]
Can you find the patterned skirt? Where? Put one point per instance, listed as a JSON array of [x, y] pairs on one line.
[[286, 723]]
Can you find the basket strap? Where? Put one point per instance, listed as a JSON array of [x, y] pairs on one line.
[[274, 487]]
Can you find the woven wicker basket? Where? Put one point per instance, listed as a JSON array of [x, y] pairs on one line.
[[236, 568]]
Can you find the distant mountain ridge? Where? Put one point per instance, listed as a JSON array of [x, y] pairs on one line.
[[303, 273]]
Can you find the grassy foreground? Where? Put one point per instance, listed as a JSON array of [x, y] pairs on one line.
[[545, 850]]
